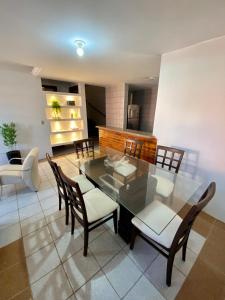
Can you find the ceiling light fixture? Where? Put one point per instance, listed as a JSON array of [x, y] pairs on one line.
[[80, 47], [151, 77], [36, 71]]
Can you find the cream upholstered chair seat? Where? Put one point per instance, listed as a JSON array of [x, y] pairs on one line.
[[157, 215], [98, 205], [4, 168], [27, 173], [125, 169], [84, 184], [164, 186]]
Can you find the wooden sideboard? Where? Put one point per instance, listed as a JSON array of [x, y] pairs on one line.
[[115, 138]]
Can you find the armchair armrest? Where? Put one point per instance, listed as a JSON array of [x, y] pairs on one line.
[[18, 158]]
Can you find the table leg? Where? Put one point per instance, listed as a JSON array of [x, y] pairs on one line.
[[124, 224]]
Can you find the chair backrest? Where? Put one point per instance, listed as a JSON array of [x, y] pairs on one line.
[[169, 157], [133, 148], [85, 145], [30, 171], [55, 169], [184, 229], [75, 198]]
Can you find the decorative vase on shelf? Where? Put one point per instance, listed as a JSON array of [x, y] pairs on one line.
[[71, 102]]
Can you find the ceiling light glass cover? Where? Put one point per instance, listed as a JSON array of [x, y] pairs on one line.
[[80, 47]]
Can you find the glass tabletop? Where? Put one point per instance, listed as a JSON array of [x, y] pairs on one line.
[[152, 194]]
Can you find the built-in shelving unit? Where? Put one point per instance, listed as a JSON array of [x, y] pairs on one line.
[[70, 122]]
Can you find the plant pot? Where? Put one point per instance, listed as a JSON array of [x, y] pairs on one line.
[[14, 154]]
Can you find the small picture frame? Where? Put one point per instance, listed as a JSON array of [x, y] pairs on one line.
[[71, 102]]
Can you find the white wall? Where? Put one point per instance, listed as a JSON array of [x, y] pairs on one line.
[[190, 112], [21, 101]]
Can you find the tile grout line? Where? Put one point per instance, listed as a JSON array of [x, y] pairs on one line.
[[13, 211], [142, 272], [149, 279], [122, 250], [19, 215], [102, 270], [100, 267], [61, 263], [42, 248], [19, 293], [25, 260]]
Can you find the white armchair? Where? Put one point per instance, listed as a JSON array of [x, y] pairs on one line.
[[26, 173]]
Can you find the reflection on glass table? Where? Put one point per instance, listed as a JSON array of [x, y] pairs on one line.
[[141, 188]]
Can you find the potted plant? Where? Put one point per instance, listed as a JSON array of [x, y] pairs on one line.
[[8, 132], [56, 109]]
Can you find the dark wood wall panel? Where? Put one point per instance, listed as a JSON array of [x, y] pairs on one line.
[[116, 140]]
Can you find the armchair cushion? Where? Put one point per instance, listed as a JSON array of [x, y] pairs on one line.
[[29, 160], [30, 170], [10, 168], [10, 176]]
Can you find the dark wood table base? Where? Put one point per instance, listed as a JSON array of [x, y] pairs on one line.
[[124, 224]]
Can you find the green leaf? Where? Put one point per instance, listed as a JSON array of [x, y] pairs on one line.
[[8, 132]]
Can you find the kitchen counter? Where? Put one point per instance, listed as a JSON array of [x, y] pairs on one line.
[[129, 131], [115, 138]]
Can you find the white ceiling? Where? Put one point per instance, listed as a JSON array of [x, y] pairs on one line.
[[124, 37]]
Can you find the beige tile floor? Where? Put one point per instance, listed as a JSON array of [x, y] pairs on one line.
[[41, 260]]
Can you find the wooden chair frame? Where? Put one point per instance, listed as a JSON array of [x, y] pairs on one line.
[[171, 159], [182, 234], [62, 194], [133, 148], [77, 205], [85, 145]]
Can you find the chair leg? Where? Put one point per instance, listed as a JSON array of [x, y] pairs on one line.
[[134, 234], [115, 222], [169, 269], [86, 233], [67, 208], [72, 223], [60, 202], [184, 248]]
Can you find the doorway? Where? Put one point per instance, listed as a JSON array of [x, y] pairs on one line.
[[96, 108]]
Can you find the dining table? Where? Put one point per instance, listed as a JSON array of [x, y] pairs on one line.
[[141, 188]]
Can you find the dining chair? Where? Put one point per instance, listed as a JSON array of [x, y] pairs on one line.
[[133, 148], [169, 157], [175, 235], [85, 146], [84, 183], [91, 209]]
